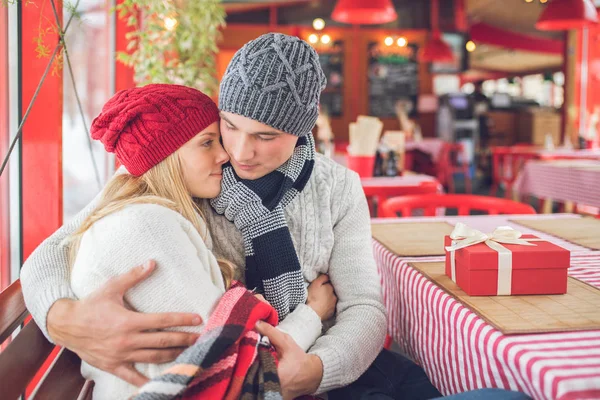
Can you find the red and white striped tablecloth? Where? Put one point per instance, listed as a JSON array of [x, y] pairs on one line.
[[563, 180], [460, 351]]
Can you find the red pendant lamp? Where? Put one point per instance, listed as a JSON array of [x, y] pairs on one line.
[[562, 15], [435, 50], [364, 12]]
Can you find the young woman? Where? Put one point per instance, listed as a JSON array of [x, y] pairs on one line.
[[167, 137]]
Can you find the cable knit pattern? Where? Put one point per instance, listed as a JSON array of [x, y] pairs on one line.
[[144, 125], [275, 79], [330, 228]]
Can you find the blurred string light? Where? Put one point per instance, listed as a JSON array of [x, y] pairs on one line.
[[313, 38], [325, 39], [471, 46], [401, 41], [170, 23], [318, 24]]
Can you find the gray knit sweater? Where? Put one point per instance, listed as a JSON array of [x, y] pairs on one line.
[[330, 227]]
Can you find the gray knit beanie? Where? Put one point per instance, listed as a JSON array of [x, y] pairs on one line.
[[275, 79]]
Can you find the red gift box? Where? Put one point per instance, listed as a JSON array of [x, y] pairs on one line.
[[539, 269]]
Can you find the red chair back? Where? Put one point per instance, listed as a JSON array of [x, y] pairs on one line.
[[464, 203], [380, 193]]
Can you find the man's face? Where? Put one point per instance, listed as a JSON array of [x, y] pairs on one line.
[[255, 149]]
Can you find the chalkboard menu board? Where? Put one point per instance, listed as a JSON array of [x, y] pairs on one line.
[[393, 75], [332, 62]]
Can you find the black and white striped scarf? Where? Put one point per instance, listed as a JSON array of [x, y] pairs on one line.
[[256, 207]]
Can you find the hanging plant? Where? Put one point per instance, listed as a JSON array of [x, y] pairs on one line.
[[173, 41]]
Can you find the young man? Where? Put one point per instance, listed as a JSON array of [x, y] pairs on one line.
[[284, 213], [318, 224]]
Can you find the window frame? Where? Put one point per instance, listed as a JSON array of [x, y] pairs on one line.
[[4, 143]]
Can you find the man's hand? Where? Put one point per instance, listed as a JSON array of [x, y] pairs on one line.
[[107, 335], [321, 297], [299, 373]]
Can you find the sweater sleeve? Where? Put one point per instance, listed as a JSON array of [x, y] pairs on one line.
[[350, 346], [303, 325], [45, 274], [187, 277]]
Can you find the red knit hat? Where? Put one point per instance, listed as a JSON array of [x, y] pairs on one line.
[[144, 125]]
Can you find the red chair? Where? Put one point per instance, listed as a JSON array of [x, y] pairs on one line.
[[378, 194], [449, 163], [464, 203], [507, 162]]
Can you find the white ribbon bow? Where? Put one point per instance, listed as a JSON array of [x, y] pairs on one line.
[[463, 236]]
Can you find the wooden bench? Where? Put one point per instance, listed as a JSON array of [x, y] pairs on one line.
[[25, 355]]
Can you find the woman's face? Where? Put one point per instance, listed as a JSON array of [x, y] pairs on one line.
[[202, 158]]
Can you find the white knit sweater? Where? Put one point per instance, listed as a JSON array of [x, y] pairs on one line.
[[330, 227], [187, 277]]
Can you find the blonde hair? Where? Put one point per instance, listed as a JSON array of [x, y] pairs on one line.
[[164, 185]]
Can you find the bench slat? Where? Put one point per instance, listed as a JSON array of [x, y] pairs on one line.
[[13, 311], [63, 380], [21, 360], [87, 391]]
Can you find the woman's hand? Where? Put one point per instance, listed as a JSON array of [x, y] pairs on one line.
[[322, 298]]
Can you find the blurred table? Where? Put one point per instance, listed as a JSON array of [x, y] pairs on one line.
[[431, 146], [575, 181], [378, 189], [570, 154], [460, 351], [508, 162]]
